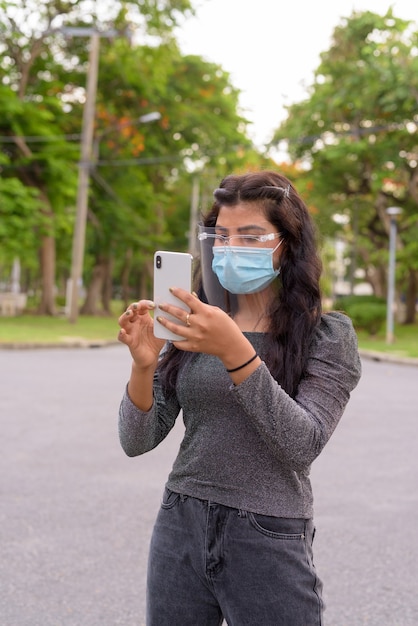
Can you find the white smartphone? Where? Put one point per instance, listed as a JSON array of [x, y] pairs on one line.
[[171, 269]]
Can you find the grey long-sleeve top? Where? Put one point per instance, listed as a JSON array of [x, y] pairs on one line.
[[250, 446]]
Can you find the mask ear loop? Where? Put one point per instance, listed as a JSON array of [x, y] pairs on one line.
[[277, 247], [272, 252]]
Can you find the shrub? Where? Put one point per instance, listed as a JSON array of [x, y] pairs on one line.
[[366, 312], [345, 302], [368, 316]]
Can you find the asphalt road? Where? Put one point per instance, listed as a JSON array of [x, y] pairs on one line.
[[76, 514]]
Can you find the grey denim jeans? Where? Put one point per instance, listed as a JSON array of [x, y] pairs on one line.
[[209, 562]]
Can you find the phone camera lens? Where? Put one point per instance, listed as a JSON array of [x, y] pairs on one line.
[[158, 262]]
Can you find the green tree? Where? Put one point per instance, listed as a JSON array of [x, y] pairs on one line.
[[32, 140], [42, 74], [357, 133], [19, 207], [141, 174], [140, 197]]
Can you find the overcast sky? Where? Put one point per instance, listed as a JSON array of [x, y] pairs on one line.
[[272, 47]]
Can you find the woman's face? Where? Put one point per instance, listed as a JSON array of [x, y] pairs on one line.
[[246, 225]]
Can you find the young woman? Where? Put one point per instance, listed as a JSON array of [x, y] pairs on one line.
[[262, 378]]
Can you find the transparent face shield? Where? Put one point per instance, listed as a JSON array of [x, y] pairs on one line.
[[238, 271]]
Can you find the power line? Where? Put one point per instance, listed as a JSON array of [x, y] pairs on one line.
[[39, 138], [112, 163], [303, 139], [351, 132]]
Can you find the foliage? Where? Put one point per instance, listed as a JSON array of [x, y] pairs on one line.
[[18, 212], [368, 316], [356, 135], [145, 171], [140, 174], [346, 302], [353, 142], [366, 312]]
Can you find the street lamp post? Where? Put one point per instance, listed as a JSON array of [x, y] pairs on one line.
[[393, 213]]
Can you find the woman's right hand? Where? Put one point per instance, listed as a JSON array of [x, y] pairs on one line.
[[136, 332]]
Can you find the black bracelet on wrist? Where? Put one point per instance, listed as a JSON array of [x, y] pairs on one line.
[[240, 367]]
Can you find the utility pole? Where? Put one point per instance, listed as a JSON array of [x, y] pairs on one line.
[[393, 213], [83, 175], [194, 209], [86, 161]]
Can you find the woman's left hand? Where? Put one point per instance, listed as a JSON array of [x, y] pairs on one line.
[[208, 329]]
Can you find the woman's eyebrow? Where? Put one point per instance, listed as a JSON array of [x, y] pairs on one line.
[[252, 227], [243, 229]]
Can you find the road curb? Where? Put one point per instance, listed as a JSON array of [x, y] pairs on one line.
[[387, 358], [372, 355], [77, 343]]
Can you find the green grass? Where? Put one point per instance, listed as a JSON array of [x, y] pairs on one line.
[[404, 345], [28, 329], [43, 329]]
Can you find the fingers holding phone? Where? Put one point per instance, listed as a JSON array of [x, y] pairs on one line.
[[207, 328]]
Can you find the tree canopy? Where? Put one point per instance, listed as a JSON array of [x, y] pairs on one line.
[[140, 173], [356, 135], [167, 127]]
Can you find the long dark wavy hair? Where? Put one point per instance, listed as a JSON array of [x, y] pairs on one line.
[[295, 312]]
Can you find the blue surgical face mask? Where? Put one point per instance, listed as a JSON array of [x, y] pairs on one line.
[[242, 270]]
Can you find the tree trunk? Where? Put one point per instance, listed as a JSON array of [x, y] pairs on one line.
[[47, 263], [144, 289], [411, 297], [376, 276], [95, 289], [107, 287], [126, 269]]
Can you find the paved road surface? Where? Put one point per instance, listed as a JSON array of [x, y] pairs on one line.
[[76, 514]]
